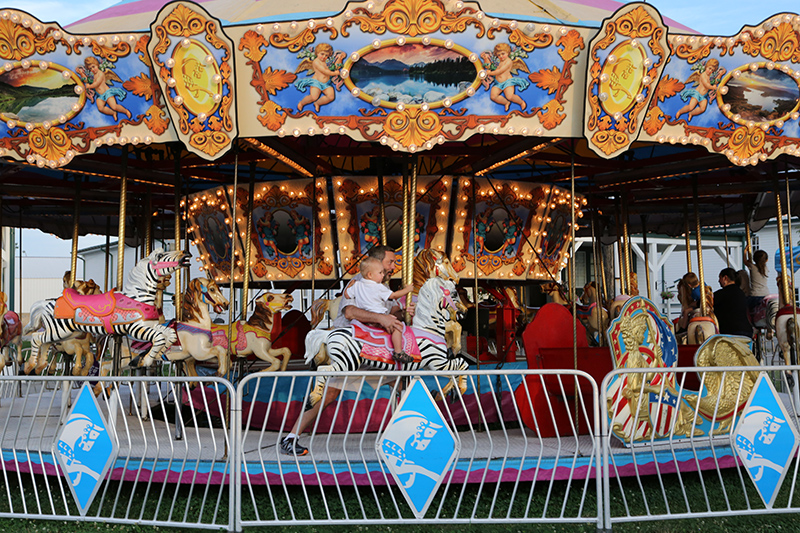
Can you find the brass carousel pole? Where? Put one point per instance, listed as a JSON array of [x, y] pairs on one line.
[[703, 302], [601, 262], [475, 287], [412, 233], [178, 186], [123, 201], [248, 244], [627, 237], [73, 263], [572, 279], [597, 255], [725, 231], [148, 223], [784, 285], [687, 234], [791, 273], [108, 255], [232, 214], [646, 254], [382, 203], [620, 251]]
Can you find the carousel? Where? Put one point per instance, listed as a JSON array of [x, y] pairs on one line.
[[479, 147]]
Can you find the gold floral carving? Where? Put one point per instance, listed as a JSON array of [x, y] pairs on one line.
[[18, 42], [654, 120], [531, 42], [50, 144], [296, 43], [209, 142], [781, 43], [412, 126], [609, 141], [637, 23], [156, 120], [413, 17], [746, 141], [184, 22], [254, 46], [272, 116]]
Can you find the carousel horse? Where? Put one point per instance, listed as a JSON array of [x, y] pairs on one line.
[[78, 345], [615, 305], [346, 349], [10, 331], [699, 327], [132, 313], [594, 318], [598, 316], [254, 337], [194, 330]]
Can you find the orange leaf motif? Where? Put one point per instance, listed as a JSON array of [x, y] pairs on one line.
[[271, 119], [140, 86], [254, 44], [609, 141], [214, 123], [572, 43], [547, 79], [654, 121], [604, 123], [668, 87], [156, 120], [274, 80], [551, 116]]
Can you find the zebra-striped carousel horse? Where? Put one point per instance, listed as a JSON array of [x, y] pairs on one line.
[[131, 313], [346, 349]]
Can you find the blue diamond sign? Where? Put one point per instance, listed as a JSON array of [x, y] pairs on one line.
[[765, 439], [418, 447], [84, 449]]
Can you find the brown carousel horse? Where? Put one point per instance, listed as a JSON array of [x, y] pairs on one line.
[[699, 327], [254, 337]]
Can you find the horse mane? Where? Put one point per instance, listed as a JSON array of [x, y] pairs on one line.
[[189, 307], [424, 264], [261, 317], [428, 311]]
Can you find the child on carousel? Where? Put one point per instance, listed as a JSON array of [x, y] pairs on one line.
[[372, 295]]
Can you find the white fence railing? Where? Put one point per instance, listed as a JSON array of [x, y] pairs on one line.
[[527, 447]]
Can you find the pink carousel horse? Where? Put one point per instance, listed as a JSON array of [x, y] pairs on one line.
[[699, 327], [10, 331]]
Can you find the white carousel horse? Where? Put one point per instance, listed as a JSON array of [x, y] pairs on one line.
[[194, 329], [254, 337], [699, 327], [342, 350], [593, 317], [132, 314], [10, 332]]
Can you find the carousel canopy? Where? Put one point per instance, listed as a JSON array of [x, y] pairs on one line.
[[185, 99]]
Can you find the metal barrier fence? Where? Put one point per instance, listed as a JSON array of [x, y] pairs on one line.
[[687, 462], [173, 462], [210, 456], [503, 469]]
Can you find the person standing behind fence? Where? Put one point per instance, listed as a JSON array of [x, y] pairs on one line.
[[730, 306]]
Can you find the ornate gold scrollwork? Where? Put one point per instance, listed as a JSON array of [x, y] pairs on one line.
[[412, 126]]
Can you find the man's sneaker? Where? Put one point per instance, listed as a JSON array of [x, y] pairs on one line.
[[292, 447]]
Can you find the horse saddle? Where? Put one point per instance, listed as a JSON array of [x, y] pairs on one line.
[[758, 314], [104, 309], [377, 343], [11, 328], [787, 310]]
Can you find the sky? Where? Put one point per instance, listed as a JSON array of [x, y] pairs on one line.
[[708, 17]]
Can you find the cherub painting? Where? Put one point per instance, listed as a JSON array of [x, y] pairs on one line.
[[87, 79], [322, 65], [301, 228], [267, 228], [483, 224], [502, 63], [704, 81], [371, 227], [102, 77], [510, 233]]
